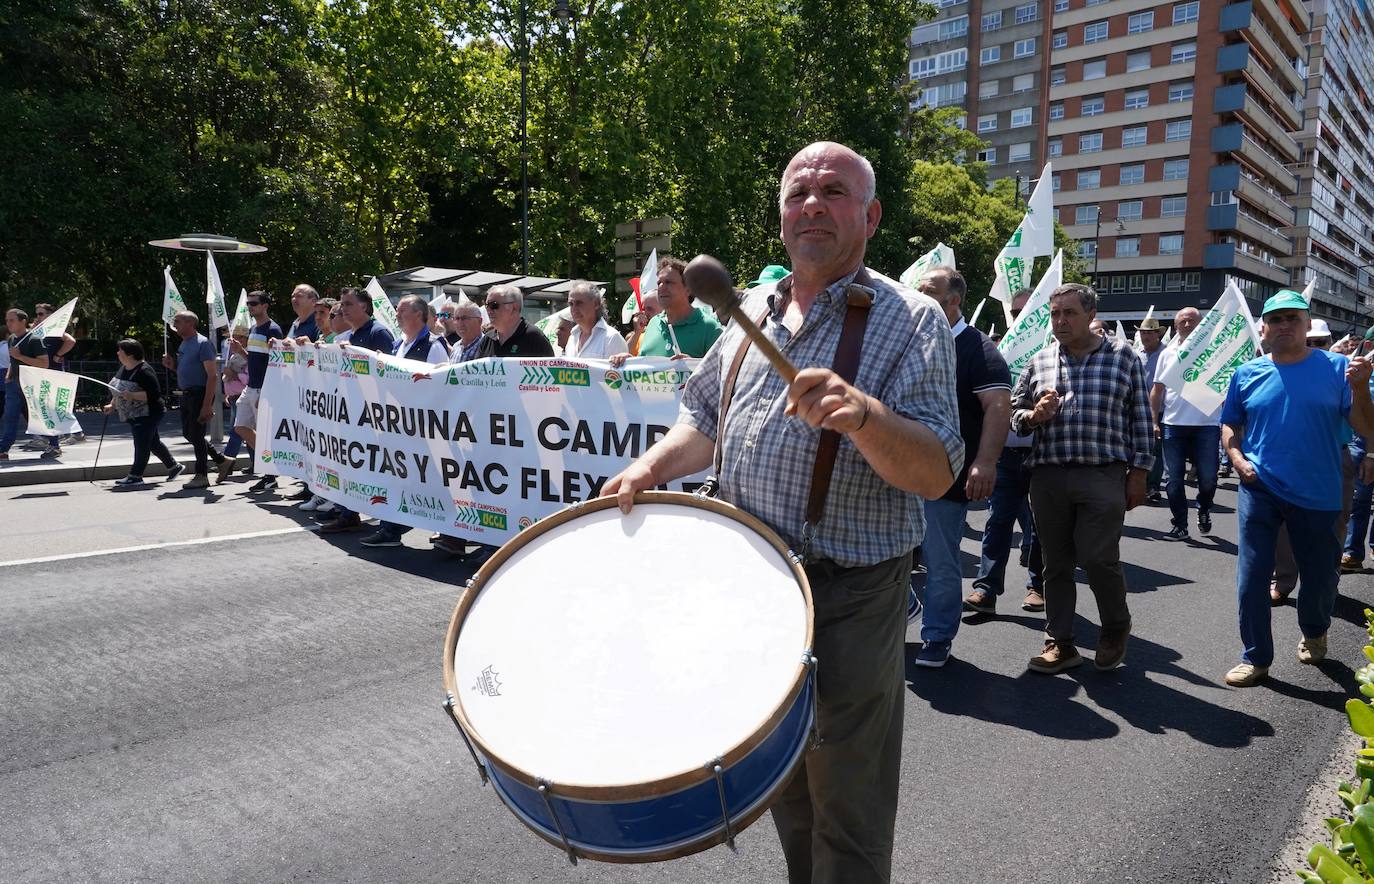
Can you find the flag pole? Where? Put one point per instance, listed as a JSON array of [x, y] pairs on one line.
[[217, 419]]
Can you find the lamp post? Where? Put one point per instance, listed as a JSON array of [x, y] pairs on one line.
[[563, 14]]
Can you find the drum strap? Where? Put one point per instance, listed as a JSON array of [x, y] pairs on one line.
[[859, 296]]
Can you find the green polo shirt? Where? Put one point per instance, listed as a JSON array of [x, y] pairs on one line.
[[694, 335]]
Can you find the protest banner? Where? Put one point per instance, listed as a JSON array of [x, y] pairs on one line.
[[1031, 330], [1033, 237], [1223, 341], [940, 256], [477, 450], [51, 396]]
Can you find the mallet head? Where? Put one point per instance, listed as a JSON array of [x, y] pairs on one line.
[[707, 279]]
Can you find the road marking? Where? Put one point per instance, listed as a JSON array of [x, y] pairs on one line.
[[275, 532]]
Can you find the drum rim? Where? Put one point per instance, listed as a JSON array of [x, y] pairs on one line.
[[666, 785]]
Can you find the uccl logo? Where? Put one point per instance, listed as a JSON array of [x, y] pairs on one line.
[[479, 517], [278, 356], [556, 375], [359, 365], [326, 478]]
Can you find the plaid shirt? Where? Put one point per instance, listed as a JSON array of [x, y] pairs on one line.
[[1104, 407], [767, 458]]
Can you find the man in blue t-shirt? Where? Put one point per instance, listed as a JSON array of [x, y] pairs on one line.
[[198, 380], [1283, 426], [260, 339]]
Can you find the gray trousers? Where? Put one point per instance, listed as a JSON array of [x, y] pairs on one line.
[[836, 816], [1079, 511]]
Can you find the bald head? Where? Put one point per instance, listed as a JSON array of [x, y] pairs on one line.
[[1185, 321], [834, 152], [829, 210]]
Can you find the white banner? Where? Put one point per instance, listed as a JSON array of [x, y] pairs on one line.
[[1033, 237], [1031, 330], [477, 450], [52, 401], [1223, 341]]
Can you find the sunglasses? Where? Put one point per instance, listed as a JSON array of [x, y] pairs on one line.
[[444, 315], [254, 303]]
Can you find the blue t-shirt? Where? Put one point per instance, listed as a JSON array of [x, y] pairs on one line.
[[372, 335], [1294, 422], [191, 358]]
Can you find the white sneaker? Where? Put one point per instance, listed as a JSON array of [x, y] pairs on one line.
[[326, 507], [311, 505]]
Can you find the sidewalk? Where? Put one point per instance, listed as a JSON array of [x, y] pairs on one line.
[[78, 462]]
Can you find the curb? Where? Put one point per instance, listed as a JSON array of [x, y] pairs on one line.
[[43, 474]]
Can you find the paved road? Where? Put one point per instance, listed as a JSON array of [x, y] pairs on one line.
[[266, 709]]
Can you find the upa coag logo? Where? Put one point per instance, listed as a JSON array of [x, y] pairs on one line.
[[478, 518], [327, 478], [374, 495], [524, 522], [424, 506], [662, 380], [613, 379], [291, 460]]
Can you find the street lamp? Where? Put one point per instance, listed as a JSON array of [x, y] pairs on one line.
[[563, 13], [1097, 245]]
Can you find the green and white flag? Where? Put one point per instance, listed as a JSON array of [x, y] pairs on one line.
[[214, 293], [242, 318], [55, 326], [382, 309], [51, 396], [940, 256], [172, 302], [1031, 330], [1033, 237], [1223, 341]]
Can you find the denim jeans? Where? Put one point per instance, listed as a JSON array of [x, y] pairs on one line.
[[1315, 547], [1358, 528], [147, 442], [14, 418], [944, 577], [1198, 444], [1009, 494]]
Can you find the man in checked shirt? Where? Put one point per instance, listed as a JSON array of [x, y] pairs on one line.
[[1085, 399]]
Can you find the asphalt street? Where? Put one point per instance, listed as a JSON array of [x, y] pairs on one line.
[[257, 703]]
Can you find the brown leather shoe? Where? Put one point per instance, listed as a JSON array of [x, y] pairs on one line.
[[1035, 601], [981, 601], [1351, 565], [342, 526], [1055, 658], [1111, 648]]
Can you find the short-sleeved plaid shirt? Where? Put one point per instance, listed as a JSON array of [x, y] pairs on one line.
[[767, 458], [1104, 407]]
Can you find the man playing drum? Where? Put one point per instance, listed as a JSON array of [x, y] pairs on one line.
[[899, 442]]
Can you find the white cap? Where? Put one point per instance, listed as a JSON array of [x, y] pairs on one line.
[[1319, 329]]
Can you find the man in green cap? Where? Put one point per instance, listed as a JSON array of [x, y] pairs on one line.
[[771, 273], [1283, 429]]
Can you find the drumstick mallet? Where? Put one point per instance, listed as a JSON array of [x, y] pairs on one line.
[[707, 279]]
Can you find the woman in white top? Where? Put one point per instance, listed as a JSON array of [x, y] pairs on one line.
[[591, 336]]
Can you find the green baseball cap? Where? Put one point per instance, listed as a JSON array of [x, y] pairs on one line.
[[771, 273], [1284, 300]]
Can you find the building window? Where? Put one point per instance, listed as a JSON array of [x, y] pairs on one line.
[[1089, 179], [1055, 182], [1138, 61], [1090, 142], [1027, 12], [1137, 98], [1185, 12], [1192, 281], [1180, 92], [1095, 70], [940, 30], [1182, 53], [949, 62], [990, 54], [1055, 147], [1118, 284], [1058, 77], [1130, 210], [1137, 284], [1171, 244], [1023, 83], [1057, 111], [961, 122], [1173, 207], [1175, 170], [1087, 249], [1059, 40], [1019, 152], [1061, 5], [1133, 136], [988, 155], [1226, 197], [992, 20], [1092, 106], [988, 88], [1024, 48], [1095, 32], [1085, 215], [1128, 247], [987, 123], [1133, 174], [1140, 23], [1178, 130], [1022, 116]]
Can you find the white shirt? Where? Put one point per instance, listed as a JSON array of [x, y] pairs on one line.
[[603, 343], [1179, 412]]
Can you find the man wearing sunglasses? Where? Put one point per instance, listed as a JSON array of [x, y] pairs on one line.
[[511, 335], [259, 344]]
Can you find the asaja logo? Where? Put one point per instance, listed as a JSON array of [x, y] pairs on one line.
[[479, 517], [478, 373], [555, 375], [424, 506], [327, 360]]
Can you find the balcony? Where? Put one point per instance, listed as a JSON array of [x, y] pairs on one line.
[[1241, 58], [1237, 99], [1232, 138], [1253, 192], [1225, 256], [1265, 16]]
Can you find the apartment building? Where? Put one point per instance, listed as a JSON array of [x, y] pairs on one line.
[[1334, 234], [1170, 124]]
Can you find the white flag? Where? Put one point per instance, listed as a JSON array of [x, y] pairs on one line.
[[977, 311], [940, 256], [1033, 237], [1031, 330], [52, 400], [1138, 342], [214, 293], [242, 318], [1223, 341], [648, 282], [382, 309], [172, 302], [1169, 337], [1120, 331], [55, 326], [1310, 288]]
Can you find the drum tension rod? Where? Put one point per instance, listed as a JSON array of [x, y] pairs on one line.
[[724, 809], [553, 814], [811, 663], [481, 768]]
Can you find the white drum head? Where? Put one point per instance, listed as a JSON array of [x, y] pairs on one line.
[[615, 650]]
